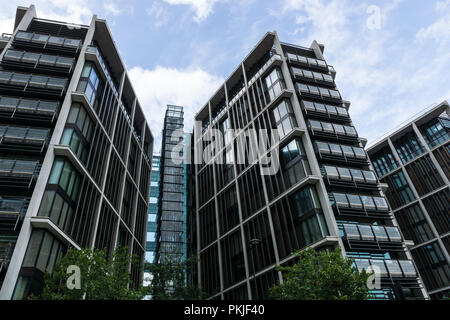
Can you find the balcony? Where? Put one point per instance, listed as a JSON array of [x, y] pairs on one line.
[[32, 84], [18, 173], [12, 212], [28, 110], [325, 111], [309, 91], [35, 62], [307, 62], [401, 272], [342, 154], [313, 77], [23, 139], [350, 178], [353, 205], [46, 42], [370, 237], [332, 131]]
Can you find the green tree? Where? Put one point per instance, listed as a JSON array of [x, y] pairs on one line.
[[102, 278], [169, 279], [321, 275]]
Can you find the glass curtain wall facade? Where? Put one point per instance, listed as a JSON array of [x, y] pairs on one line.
[[153, 209], [74, 154], [325, 195], [413, 162], [171, 223]]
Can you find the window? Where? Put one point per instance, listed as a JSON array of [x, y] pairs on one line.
[[399, 192], [65, 176], [274, 84], [383, 161], [435, 131], [284, 118], [424, 175], [432, 266], [298, 221], [78, 132], [294, 163], [408, 147], [91, 84], [57, 209]]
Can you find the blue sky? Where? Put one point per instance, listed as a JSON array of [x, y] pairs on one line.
[[180, 51]]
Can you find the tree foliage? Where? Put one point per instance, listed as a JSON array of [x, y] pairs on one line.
[[102, 278], [169, 280], [321, 275]]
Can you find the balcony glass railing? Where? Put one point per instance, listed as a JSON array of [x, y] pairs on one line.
[[358, 202], [318, 91], [347, 174], [19, 167], [362, 232], [388, 268], [332, 128], [44, 39], [339, 150], [24, 134], [32, 80], [325, 109], [312, 75], [311, 62], [28, 105], [39, 59], [13, 206]]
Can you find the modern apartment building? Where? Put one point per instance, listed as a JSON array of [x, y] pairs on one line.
[[414, 162], [325, 195], [75, 150], [171, 222]]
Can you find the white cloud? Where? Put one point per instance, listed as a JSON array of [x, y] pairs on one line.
[[202, 8], [439, 30], [156, 88], [112, 8], [158, 14], [77, 12]]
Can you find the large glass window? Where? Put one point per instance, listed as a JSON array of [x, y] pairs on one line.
[[78, 132], [383, 161], [408, 147], [432, 265], [298, 221], [274, 84], [294, 163], [399, 192], [65, 176], [91, 84], [435, 131], [284, 118]]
